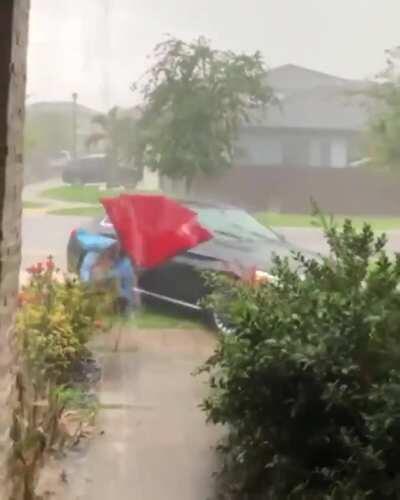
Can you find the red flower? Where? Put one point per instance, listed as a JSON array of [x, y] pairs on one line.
[[36, 269]]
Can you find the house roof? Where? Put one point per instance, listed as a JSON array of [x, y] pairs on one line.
[[310, 99], [319, 108], [59, 107], [291, 76]]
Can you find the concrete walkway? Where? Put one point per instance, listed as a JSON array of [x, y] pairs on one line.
[[156, 445]]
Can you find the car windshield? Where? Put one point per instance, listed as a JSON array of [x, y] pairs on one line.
[[233, 222], [230, 222]]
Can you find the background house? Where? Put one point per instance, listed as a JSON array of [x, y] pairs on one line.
[[318, 122], [302, 148]]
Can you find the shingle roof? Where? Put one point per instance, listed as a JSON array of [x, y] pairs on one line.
[[316, 101], [320, 108], [291, 76]]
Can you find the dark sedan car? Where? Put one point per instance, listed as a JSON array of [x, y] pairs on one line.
[[95, 169], [238, 241]]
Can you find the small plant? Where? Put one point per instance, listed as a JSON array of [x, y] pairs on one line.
[[55, 320], [309, 387], [56, 317]]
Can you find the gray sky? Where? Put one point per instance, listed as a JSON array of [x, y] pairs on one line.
[[99, 47]]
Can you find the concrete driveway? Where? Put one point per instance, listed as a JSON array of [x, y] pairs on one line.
[[156, 444]]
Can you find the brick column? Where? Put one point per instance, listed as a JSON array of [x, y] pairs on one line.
[[13, 48]]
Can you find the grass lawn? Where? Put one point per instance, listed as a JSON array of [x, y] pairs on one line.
[[151, 318], [89, 211], [301, 220], [32, 204], [78, 194]]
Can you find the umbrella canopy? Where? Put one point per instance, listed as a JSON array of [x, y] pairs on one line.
[[152, 228]]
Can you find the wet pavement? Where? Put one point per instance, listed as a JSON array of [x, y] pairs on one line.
[[153, 442], [48, 234], [43, 235]]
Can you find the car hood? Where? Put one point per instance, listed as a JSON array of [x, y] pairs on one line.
[[252, 253], [221, 252]]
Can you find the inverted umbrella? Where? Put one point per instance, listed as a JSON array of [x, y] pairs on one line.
[[153, 228]]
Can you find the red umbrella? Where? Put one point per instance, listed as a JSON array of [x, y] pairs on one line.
[[152, 229]]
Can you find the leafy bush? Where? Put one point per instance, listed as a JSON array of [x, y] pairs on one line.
[[55, 320], [309, 387]]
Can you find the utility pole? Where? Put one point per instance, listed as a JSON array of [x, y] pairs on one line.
[[74, 124]]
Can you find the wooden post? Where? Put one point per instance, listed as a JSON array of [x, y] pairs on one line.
[[13, 49]]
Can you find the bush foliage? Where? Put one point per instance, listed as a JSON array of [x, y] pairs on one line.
[[56, 317], [309, 387], [55, 321]]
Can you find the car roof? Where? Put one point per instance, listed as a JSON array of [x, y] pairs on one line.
[[190, 203]]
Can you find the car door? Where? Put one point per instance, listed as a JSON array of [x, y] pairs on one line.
[[180, 279]]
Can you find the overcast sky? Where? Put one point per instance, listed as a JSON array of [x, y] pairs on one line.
[[99, 47]]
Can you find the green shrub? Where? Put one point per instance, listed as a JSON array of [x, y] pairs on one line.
[[309, 387], [55, 321]]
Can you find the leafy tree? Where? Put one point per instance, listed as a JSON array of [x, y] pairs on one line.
[[117, 131], [384, 131], [195, 99]]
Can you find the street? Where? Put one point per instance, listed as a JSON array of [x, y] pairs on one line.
[[44, 235]]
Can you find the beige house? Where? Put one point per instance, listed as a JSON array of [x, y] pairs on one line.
[[318, 122]]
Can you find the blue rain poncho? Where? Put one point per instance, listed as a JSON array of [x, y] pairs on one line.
[[122, 270], [90, 242]]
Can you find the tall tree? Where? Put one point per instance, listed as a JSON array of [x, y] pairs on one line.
[[195, 99], [117, 131], [384, 130]]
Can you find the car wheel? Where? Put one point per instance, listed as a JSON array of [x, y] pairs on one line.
[[221, 323]]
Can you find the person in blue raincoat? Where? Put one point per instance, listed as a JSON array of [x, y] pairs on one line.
[[104, 261]]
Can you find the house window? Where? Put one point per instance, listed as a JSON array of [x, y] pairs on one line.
[[339, 153], [258, 149], [295, 151], [328, 153]]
